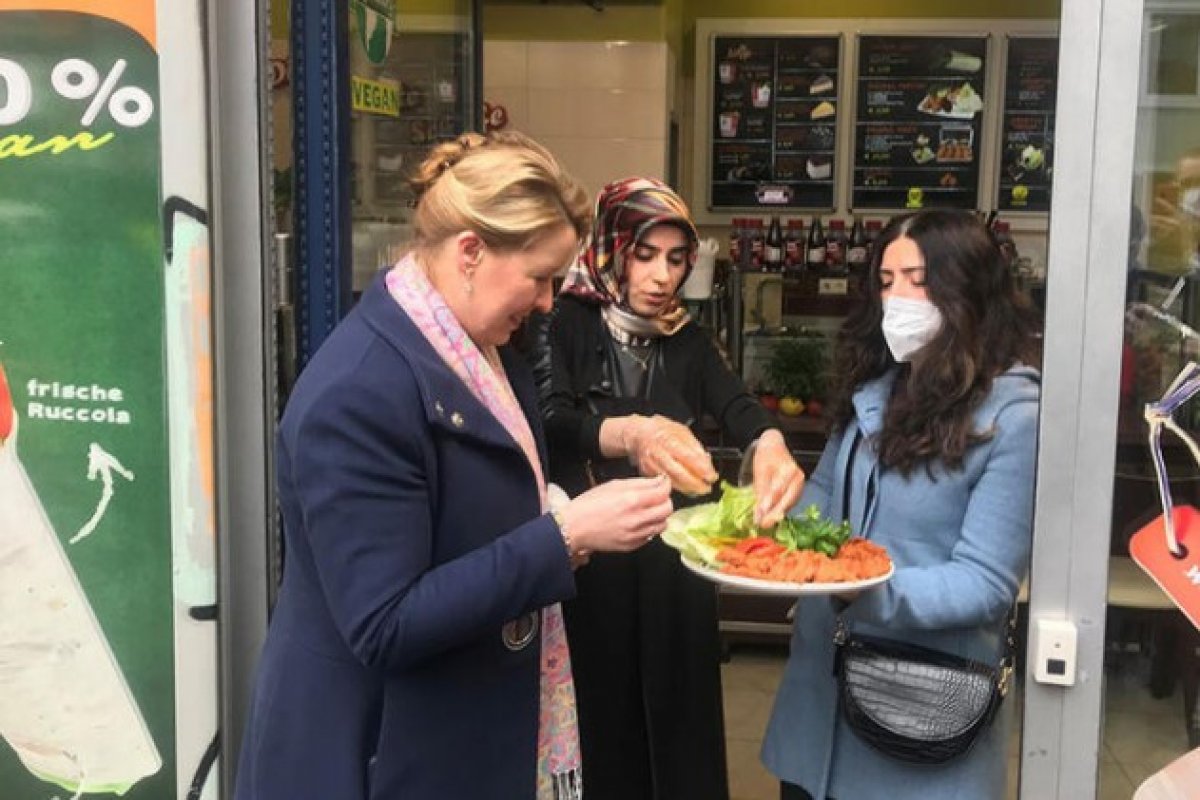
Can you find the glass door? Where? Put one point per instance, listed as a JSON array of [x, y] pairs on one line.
[[395, 77], [1122, 705], [1150, 664], [411, 86]]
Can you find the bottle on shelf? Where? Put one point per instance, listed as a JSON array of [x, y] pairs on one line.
[[1004, 240], [856, 248], [793, 246], [773, 247], [757, 244], [814, 258], [736, 235], [874, 228], [835, 246]]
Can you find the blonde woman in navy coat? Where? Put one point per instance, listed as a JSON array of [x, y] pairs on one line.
[[417, 649], [933, 453]]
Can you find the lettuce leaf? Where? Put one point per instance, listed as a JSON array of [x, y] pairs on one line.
[[699, 532]]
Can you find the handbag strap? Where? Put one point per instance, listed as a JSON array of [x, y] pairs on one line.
[[841, 633], [1007, 666], [847, 481]]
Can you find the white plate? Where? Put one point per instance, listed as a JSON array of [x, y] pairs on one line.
[[759, 586]]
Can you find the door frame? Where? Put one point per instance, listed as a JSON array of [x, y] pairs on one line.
[[1099, 68], [243, 349]]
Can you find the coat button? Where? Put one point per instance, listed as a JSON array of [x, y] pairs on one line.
[[456, 419], [519, 633], [437, 406]]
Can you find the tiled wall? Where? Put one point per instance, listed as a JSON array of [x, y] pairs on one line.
[[601, 107]]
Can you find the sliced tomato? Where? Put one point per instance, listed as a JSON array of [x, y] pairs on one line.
[[6, 408], [759, 545]]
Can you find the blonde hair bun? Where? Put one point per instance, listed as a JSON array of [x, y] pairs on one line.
[[504, 186]]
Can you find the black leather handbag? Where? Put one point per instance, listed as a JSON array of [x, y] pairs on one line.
[[914, 703]]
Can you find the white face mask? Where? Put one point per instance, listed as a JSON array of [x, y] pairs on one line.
[[909, 325]]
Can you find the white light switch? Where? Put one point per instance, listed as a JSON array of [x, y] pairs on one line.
[[1053, 650]]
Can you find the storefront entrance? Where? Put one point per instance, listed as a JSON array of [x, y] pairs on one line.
[[1116, 226]]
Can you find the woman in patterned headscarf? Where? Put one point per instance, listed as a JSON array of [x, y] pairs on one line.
[[624, 377]]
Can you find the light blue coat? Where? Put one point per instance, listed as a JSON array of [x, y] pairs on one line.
[[960, 542]]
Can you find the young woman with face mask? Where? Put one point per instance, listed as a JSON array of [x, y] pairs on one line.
[[624, 376], [932, 455]]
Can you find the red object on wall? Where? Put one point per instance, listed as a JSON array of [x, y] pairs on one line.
[[495, 117], [6, 408]]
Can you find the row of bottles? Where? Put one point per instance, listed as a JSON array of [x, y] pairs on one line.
[[775, 249], [822, 251]]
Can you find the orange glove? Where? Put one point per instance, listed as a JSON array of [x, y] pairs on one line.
[[778, 479], [660, 446]]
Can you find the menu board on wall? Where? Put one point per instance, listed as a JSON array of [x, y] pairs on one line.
[[1027, 135], [775, 105], [919, 117]]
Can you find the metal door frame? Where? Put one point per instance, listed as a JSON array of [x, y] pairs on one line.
[[1087, 267], [243, 350]]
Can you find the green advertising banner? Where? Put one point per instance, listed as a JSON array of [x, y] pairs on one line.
[[87, 614]]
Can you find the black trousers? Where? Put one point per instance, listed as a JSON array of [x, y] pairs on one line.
[[645, 653]]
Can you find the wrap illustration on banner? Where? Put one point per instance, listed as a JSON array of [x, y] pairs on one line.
[[65, 707]]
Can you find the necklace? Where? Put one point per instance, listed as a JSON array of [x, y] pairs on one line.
[[641, 361]]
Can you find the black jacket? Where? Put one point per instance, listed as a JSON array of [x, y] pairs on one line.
[[575, 368], [645, 650]]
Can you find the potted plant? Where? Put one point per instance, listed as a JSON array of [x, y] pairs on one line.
[[796, 372]]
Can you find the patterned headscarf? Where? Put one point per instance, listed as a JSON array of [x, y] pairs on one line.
[[625, 211]]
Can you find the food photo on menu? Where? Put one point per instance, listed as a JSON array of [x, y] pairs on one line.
[[956, 145], [957, 101], [950, 60], [1025, 163]]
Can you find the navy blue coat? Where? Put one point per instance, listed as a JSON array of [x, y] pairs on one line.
[[413, 534]]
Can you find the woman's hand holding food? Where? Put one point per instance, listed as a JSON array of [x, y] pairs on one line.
[[618, 516], [660, 446], [778, 479]]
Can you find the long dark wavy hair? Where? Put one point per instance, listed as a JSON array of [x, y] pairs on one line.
[[987, 328]]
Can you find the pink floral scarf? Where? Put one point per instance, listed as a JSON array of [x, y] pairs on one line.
[[559, 767]]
